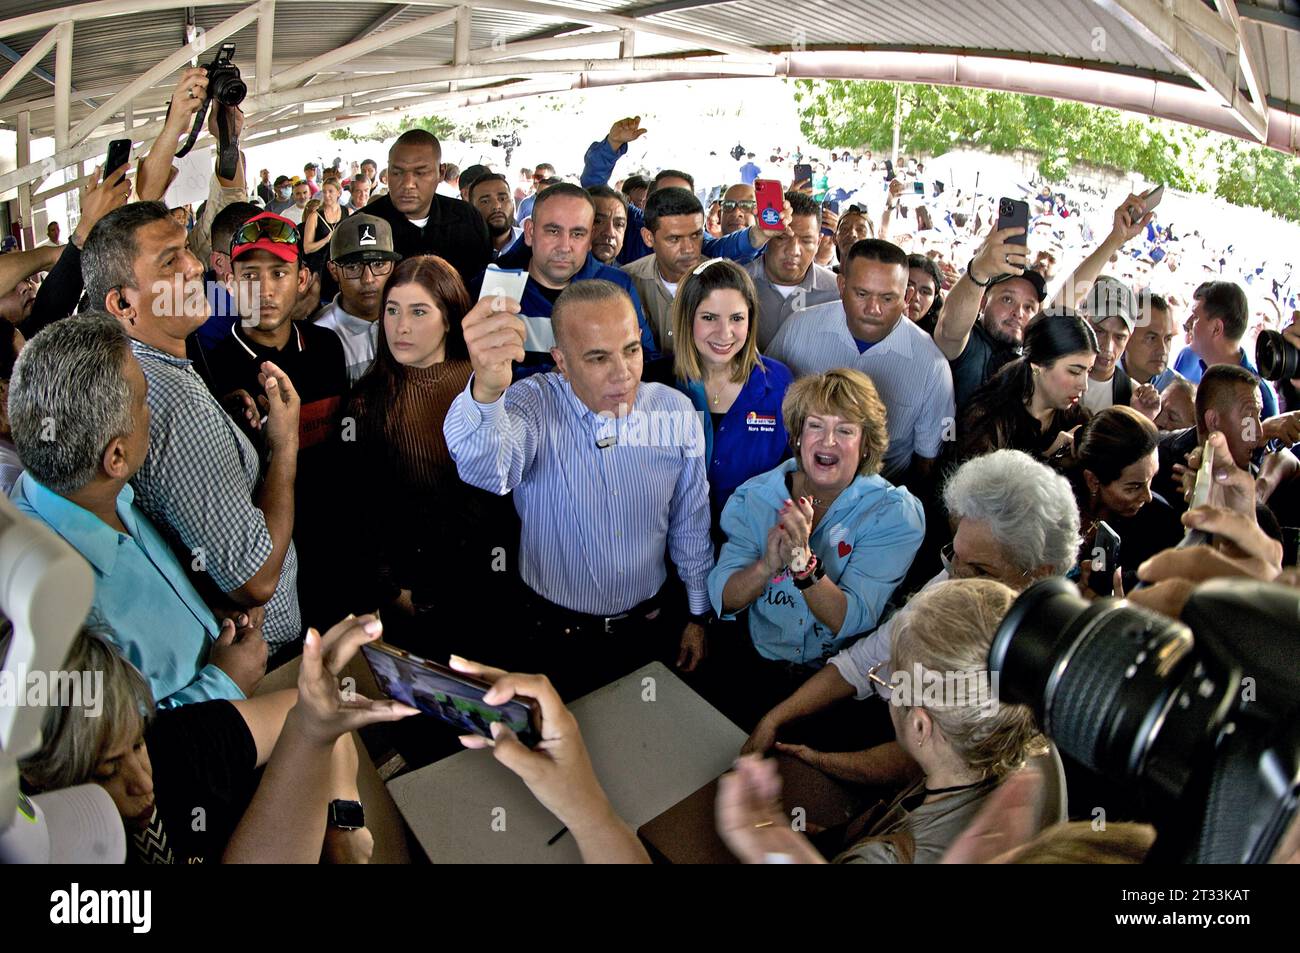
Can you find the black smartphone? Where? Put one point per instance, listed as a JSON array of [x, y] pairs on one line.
[[449, 695], [803, 173], [119, 154], [1013, 213], [1105, 559], [918, 188]]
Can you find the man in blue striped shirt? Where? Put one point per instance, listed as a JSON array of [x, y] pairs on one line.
[[608, 475]]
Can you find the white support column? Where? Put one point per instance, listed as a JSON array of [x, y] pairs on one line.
[[627, 49], [25, 190], [128, 119], [460, 49], [62, 84], [265, 44]]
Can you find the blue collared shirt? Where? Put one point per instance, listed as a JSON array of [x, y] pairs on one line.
[[197, 484], [1191, 366], [598, 165], [596, 522], [535, 307], [157, 618], [866, 542], [752, 438]]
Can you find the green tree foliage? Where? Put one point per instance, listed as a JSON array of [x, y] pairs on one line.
[[440, 127], [1258, 176], [938, 119]]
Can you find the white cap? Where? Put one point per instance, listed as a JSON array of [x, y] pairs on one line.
[[79, 825]]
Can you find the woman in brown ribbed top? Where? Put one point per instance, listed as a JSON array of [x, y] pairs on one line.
[[424, 528]]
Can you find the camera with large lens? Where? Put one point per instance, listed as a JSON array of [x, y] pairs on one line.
[[224, 83], [1276, 357], [228, 90], [1198, 716]]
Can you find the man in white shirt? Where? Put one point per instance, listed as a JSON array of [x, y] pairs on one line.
[[301, 196], [361, 261], [866, 330]]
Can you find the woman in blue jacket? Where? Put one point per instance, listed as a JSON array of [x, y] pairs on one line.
[[737, 391], [816, 545]]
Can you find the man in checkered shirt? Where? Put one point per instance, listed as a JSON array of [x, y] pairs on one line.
[[202, 482]]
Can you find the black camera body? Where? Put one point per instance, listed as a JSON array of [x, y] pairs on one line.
[[228, 90], [224, 82], [1276, 357], [1201, 716]]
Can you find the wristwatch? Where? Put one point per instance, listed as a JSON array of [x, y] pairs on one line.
[[346, 815], [810, 580]]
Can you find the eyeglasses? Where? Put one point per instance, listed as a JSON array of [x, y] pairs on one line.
[[747, 205], [275, 230], [948, 557], [873, 677], [354, 269]]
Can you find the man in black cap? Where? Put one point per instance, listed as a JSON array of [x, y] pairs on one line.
[[283, 198], [982, 324], [361, 260], [423, 222]]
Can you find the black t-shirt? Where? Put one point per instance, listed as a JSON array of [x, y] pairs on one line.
[[205, 773], [313, 359], [550, 294], [983, 357]]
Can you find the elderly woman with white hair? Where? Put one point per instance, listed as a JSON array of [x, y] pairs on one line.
[[1016, 521], [963, 740]]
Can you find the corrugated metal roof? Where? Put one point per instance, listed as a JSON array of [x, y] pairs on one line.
[[110, 52]]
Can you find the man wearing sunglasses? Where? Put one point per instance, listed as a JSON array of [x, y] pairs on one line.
[[361, 261], [738, 208], [268, 275]]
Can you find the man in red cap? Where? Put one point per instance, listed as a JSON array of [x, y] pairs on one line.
[[267, 278]]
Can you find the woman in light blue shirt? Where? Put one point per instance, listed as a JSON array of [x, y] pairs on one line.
[[737, 392], [816, 546]]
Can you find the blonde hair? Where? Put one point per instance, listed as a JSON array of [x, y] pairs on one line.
[[843, 393], [1077, 842], [72, 742], [948, 629], [716, 275]]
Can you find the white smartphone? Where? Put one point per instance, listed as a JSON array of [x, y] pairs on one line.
[[507, 284]]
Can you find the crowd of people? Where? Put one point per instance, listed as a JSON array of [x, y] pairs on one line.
[[788, 458]]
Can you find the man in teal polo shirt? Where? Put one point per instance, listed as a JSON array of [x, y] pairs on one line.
[[81, 426]]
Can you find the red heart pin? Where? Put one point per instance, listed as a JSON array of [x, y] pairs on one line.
[[845, 549]]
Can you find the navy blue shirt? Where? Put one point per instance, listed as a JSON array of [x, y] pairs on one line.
[[751, 439], [537, 305]]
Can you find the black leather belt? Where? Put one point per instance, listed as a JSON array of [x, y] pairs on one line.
[[568, 622]]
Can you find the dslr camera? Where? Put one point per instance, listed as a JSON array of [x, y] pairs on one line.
[[1200, 717], [228, 90], [1276, 357]]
